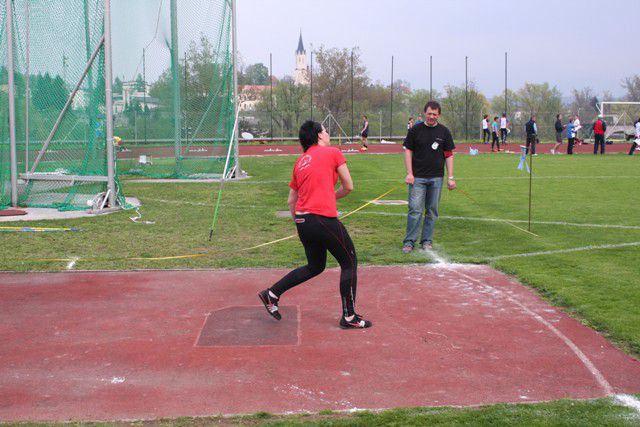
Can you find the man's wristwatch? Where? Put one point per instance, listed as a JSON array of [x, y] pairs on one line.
[[451, 178]]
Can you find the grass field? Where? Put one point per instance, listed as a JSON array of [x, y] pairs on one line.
[[578, 202]]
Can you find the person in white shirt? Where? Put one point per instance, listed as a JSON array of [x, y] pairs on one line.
[[636, 142], [504, 126], [486, 133], [577, 127]]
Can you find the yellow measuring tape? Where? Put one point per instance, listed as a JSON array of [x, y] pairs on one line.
[[200, 255]]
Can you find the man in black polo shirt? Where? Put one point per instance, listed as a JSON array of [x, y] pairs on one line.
[[428, 148]]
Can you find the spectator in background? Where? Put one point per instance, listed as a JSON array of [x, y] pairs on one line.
[[419, 119], [599, 127], [364, 133], [532, 135], [559, 128], [635, 143], [494, 134], [577, 126], [410, 123], [504, 126], [571, 135], [486, 134]]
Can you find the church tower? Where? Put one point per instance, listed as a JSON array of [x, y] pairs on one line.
[[301, 75]]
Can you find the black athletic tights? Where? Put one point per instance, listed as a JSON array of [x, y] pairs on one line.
[[318, 235]]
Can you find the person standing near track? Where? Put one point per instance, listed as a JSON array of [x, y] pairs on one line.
[[504, 130], [559, 128], [428, 148], [571, 135], [312, 202], [531, 129], [577, 126], [364, 133], [486, 134], [636, 142], [599, 128], [494, 135]]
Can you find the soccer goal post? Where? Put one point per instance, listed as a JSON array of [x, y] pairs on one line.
[[621, 117]]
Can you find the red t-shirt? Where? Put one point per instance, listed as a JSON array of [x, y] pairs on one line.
[[598, 129], [314, 178]]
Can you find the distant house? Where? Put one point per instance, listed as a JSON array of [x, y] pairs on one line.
[[132, 95], [250, 95]]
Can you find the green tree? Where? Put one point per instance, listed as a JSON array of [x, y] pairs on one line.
[[256, 74], [117, 85], [290, 105], [462, 112], [332, 81]]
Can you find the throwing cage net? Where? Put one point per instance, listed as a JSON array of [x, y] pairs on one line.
[[59, 63], [173, 87]]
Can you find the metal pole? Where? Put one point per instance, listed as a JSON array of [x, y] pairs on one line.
[[27, 93], [186, 100], [12, 106], [234, 35], [271, 92], [111, 183], [177, 110], [430, 77], [391, 107], [144, 80], [352, 130], [505, 84], [311, 88], [530, 180], [466, 98]]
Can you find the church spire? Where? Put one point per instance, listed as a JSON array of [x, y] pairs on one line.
[[300, 45]]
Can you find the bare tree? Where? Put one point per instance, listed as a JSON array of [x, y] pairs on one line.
[[632, 85]]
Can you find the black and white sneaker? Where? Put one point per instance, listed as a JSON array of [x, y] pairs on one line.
[[356, 323], [270, 303]]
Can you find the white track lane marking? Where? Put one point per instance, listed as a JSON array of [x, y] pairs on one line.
[[600, 379], [524, 221], [564, 251]]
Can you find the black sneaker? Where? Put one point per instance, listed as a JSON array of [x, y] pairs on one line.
[[356, 323], [270, 304]]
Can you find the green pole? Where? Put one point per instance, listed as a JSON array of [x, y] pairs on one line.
[[177, 110]]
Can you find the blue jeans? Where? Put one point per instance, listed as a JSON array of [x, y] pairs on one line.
[[424, 194]]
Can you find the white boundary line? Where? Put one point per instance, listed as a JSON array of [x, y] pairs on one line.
[[470, 178], [600, 379], [469, 218], [629, 401], [564, 251]]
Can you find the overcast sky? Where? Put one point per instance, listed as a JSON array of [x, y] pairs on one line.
[[568, 43]]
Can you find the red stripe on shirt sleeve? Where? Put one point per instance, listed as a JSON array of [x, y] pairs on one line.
[[448, 154]]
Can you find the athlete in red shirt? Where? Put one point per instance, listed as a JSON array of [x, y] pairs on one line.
[[312, 201]]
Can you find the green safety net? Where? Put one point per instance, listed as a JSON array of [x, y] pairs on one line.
[[173, 87], [61, 139]]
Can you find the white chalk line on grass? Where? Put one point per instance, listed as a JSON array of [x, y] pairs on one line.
[[600, 379], [470, 178], [629, 401], [564, 251], [186, 202], [522, 221]]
